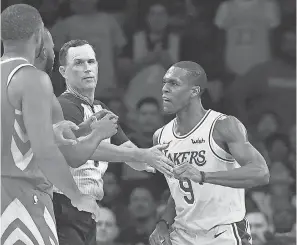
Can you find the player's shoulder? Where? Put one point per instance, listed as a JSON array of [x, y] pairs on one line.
[[29, 77], [229, 129], [158, 133]]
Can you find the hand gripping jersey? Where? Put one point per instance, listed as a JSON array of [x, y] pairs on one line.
[[202, 207]]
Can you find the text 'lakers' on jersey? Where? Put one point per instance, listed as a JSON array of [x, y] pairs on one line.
[[17, 159], [201, 207]]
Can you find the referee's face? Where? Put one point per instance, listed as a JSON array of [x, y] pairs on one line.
[[81, 71]]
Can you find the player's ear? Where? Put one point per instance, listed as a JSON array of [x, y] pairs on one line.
[[62, 71], [43, 54], [196, 91]]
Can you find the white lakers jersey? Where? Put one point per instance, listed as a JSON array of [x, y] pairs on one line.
[[201, 207]]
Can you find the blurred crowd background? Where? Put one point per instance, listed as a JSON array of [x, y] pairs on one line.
[[248, 50]]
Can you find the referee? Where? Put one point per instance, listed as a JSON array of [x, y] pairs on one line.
[[79, 67]]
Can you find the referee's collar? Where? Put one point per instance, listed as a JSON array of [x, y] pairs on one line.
[[74, 92]]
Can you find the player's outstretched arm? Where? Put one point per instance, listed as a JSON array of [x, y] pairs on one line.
[[36, 99], [135, 157], [253, 171]]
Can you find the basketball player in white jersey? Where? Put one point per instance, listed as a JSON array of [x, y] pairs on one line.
[[214, 164]]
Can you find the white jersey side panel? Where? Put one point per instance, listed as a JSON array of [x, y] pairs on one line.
[[201, 207]]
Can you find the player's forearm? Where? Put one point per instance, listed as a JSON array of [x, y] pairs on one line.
[[84, 129], [53, 165], [79, 154], [169, 212], [112, 153], [248, 176]]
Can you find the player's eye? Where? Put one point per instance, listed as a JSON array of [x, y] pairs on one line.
[[91, 61]]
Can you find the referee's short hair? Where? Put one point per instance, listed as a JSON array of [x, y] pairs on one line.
[[20, 22]]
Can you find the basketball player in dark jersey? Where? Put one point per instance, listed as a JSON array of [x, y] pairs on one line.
[[31, 161]]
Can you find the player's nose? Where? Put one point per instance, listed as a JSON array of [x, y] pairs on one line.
[[165, 89]]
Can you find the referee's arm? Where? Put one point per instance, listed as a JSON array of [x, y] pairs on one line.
[[79, 154]]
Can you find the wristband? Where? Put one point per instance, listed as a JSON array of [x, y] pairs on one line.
[[202, 178], [163, 220]]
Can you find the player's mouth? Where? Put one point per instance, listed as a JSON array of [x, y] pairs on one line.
[[165, 99]]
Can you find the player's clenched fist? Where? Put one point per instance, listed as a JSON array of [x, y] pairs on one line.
[[64, 134], [160, 235], [85, 127], [106, 124], [155, 158]]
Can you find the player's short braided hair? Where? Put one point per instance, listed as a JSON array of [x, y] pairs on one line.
[[20, 22]]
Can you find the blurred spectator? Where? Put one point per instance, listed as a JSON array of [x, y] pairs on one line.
[[115, 104], [278, 147], [268, 124], [149, 119], [247, 24], [270, 86], [292, 154], [49, 11], [278, 194], [142, 207], [213, 98], [281, 194], [163, 202], [147, 56], [113, 198], [106, 228], [284, 220], [101, 30], [259, 227]]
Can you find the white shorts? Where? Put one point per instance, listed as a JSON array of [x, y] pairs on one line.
[[231, 234]]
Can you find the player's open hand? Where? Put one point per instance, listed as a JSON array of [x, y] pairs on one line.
[[187, 171], [155, 158], [106, 124], [160, 235], [88, 204], [64, 134]]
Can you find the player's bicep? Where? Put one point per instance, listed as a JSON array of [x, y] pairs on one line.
[[234, 134], [36, 107]]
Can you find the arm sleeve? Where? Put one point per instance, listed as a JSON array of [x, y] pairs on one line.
[[120, 137], [71, 111]]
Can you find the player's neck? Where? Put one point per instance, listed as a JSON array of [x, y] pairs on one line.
[[87, 95], [189, 117], [16, 51]]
